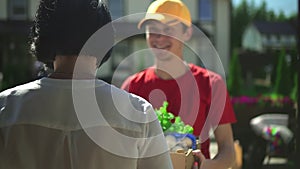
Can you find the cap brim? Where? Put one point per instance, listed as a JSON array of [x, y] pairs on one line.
[[168, 20], [163, 18]]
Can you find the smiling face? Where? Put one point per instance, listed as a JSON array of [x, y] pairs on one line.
[[165, 40]]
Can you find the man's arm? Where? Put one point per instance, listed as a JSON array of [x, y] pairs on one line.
[[226, 155], [224, 139]]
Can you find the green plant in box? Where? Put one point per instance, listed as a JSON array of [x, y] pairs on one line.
[[164, 117], [168, 123]]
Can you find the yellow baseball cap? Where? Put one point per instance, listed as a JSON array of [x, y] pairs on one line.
[[168, 12]]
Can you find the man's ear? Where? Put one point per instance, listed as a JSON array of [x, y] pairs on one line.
[[188, 33]]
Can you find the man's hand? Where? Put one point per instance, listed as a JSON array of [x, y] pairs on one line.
[[203, 162]]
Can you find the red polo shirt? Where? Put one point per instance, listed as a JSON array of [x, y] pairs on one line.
[[199, 97]]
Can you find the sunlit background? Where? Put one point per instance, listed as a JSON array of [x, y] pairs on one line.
[[256, 41]]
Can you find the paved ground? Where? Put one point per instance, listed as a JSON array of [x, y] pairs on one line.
[[272, 163]]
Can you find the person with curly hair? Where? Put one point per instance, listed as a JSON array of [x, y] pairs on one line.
[[70, 119]]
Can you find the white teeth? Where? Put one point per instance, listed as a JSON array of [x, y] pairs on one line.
[[160, 47]]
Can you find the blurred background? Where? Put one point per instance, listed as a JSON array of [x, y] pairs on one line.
[[256, 40]]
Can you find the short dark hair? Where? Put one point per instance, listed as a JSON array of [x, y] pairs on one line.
[[61, 27]]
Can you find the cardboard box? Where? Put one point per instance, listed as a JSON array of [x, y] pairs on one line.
[[182, 159]]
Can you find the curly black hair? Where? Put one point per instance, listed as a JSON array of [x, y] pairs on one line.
[[62, 27]]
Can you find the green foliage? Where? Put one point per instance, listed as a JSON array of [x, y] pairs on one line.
[[179, 127], [244, 13], [294, 93], [165, 118], [16, 62], [281, 16], [284, 82], [235, 75], [261, 13], [241, 17]]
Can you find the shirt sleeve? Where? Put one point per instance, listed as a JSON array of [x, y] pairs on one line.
[[220, 110], [220, 102], [126, 84], [228, 115]]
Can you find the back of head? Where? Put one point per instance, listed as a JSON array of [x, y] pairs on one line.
[[62, 27]]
